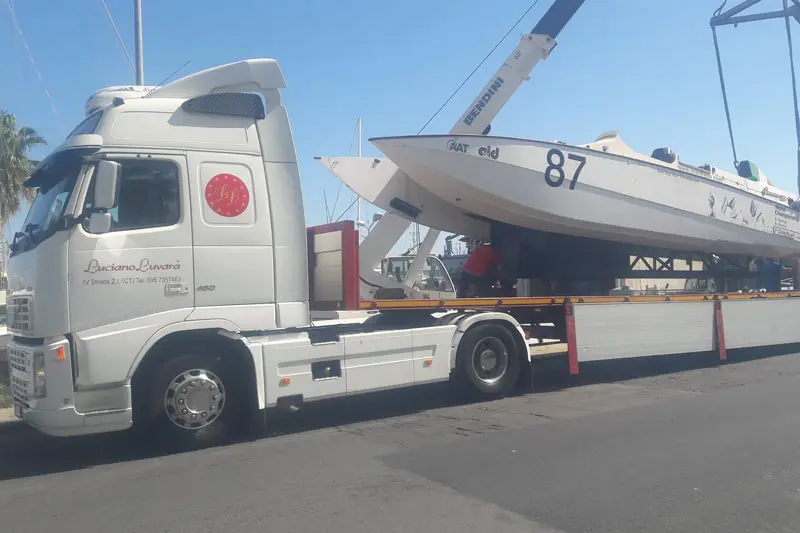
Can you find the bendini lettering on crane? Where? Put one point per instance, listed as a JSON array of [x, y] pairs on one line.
[[475, 111]]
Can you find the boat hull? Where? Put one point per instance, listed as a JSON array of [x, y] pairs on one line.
[[585, 192]]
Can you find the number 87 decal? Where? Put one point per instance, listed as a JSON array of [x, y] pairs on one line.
[[554, 174]]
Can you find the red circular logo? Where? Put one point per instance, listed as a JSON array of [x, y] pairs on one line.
[[227, 195]]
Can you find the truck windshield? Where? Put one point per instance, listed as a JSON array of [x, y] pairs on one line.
[[55, 180]]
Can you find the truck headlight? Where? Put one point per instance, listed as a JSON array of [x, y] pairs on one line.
[[39, 379]]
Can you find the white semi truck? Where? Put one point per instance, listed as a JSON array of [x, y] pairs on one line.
[[164, 277]]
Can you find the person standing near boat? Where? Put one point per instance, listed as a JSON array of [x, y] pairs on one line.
[[481, 270], [770, 271]]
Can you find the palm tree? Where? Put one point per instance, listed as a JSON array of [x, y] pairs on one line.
[[15, 166]]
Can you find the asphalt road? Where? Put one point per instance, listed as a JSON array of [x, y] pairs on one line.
[[657, 446]]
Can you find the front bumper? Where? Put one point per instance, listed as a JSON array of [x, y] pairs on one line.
[[53, 410], [68, 422]]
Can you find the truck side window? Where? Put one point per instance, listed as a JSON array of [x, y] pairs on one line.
[[149, 195]]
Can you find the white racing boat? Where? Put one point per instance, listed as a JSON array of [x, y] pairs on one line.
[[601, 190]]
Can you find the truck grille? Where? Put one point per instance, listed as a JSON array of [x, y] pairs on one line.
[[21, 364], [18, 359], [19, 313], [19, 388]]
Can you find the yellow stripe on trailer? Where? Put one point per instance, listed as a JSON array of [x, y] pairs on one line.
[[517, 301]]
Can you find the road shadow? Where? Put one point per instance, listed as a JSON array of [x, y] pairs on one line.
[[26, 453], [555, 374]]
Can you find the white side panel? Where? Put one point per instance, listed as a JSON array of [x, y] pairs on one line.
[[296, 313], [286, 206], [223, 280], [289, 237], [622, 330], [257, 352], [291, 357], [252, 317], [105, 354], [379, 360], [760, 322], [432, 353]]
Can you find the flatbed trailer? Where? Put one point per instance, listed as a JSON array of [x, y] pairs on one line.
[[596, 328]]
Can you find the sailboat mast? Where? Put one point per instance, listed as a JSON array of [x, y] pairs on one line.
[[358, 199]]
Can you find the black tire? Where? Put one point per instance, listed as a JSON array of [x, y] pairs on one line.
[[489, 359], [192, 401]]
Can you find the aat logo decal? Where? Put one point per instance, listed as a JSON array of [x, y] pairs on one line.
[[227, 195]]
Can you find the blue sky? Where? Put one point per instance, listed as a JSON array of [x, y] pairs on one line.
[[643, 67]]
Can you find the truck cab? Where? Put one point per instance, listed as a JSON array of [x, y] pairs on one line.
[[169, 208]]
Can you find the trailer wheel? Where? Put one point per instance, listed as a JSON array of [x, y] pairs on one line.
[[489, 359], [193, 403]]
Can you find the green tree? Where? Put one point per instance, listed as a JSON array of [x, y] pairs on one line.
[[15, 165]]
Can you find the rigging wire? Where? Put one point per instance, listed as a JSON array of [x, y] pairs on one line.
[[33, 63], [119, 37], [349, 207], [169, 77], [794, 89], [339, 190], [525, 14]]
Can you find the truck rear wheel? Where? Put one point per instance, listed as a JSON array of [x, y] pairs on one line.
[[489, 359], [193, 402]]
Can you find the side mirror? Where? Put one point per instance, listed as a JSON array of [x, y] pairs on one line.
[[106, 184], [99, 223]]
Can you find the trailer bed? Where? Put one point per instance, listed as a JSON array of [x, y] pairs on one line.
[[597, 328]]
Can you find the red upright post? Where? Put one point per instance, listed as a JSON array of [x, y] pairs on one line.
[[572, 346], [720, 330]]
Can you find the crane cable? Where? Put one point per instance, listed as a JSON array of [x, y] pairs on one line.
[[794, 89], [724, 90]]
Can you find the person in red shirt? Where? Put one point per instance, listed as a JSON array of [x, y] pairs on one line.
[[480, 271]]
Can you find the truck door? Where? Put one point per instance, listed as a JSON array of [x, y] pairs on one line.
[[127, 284], [234, 250]]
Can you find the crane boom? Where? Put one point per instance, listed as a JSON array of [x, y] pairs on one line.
[[532, 48], [515, 71]]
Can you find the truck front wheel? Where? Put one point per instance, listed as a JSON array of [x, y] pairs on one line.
[[489, 359], [192, 402]]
